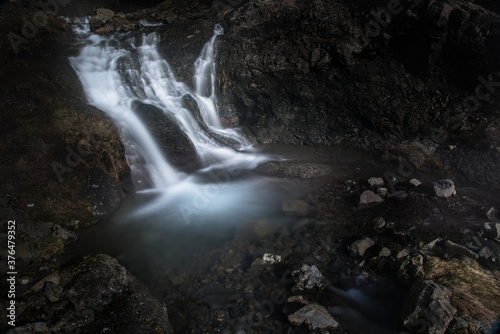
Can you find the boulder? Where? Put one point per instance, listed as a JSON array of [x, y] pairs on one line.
[[267, 260], [455, 250], [427, 308]]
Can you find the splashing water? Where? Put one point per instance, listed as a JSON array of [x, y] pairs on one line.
[[114, 76]]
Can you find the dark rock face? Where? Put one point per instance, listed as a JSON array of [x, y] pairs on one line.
[[311, 72], [177, 147], [427, 308], [95, 294]]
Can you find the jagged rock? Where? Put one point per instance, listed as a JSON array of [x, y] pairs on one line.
[[444, 188], [376, 182], [491, 213], [100, 293], [402, 254], [454, 250], [315, 316], [267, 260], [369, 199], [427, 308], [66, 235], [360, 246], [297, 208], [308, 277], [53, 278], [411, 268]]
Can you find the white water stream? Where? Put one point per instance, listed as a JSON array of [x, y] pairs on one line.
[[115, 75]]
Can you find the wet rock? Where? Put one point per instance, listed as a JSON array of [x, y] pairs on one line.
[[359, 247], [101, 294], [411, 268], [427, 306], [106, 21], [308, 277], [375, 182], [315, 316], [296, 208], [455, 250], [52, 291], [267, 260], [173, 142], [444, 188], [491, 213], [369, 200], [102, 192]]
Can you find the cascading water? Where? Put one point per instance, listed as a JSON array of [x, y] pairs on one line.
[[115, 76]]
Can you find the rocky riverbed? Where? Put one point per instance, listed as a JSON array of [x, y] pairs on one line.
[[406, 240]]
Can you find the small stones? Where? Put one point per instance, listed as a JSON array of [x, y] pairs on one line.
[[369, 199], [315, 316], [444, 188], [308, 277], [359, 247], [267, 260]]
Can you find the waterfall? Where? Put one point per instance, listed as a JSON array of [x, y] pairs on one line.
[[116, 74]]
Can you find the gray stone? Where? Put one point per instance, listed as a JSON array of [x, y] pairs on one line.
[[491, 213], [369, 199], [444, 188], [402, 253], [384, 252], [376, 182], [360, 246], [315, 316], [427, 307], [297, 208], [54, 278], [308, 277], [415, 182], [267, 260], [455, 250], [67, 236]]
